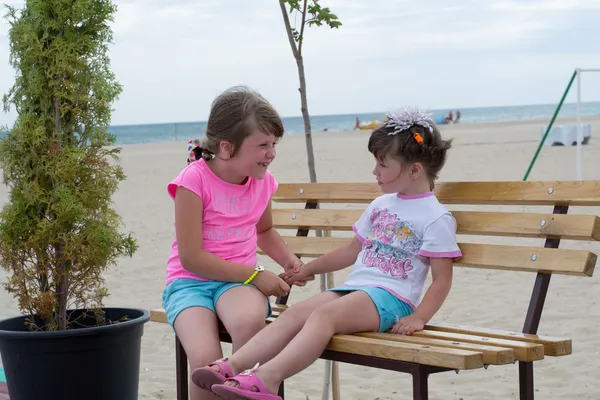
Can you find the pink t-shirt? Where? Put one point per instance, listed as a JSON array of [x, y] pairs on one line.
[[229, 216]]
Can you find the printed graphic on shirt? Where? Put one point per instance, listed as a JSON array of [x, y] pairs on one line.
[[391, 244], [224, 233]]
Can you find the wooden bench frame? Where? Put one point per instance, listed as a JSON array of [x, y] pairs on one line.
[[501, 193]]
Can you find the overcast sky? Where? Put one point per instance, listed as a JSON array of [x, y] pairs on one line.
[[174, 56]]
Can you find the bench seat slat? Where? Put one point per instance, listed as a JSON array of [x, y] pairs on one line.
[[575, 193], [455, 358], [553, 346], [566, 226], [488, 256], [523, 351], [427, 355], [158, 315], [491, 354]]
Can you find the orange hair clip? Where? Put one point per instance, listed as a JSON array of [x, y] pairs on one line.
[[418, 137]]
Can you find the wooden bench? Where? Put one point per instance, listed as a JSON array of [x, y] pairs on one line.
[[441, 346]]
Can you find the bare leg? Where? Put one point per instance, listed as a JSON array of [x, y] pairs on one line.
[[271, 340], [352, 313], [197, 329], [243, 311]]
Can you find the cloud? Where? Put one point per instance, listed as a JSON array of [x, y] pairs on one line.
[[174, 56]]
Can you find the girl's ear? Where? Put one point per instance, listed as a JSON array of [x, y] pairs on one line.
[[225, 149], [416, 170]]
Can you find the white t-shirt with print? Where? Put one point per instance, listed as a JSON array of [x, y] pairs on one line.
[[399, 235]]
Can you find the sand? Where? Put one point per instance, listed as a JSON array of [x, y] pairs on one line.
[[483, 298]]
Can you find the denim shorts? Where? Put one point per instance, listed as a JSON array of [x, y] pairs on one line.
[[185, 293], [389, 307]]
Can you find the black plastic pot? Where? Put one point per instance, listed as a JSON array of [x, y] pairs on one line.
[[90, 362]]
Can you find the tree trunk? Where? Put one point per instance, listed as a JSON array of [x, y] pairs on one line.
[[307, 128], [61, 269], [303, 101]]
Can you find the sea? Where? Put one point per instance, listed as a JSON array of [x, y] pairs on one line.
[[179, 131]]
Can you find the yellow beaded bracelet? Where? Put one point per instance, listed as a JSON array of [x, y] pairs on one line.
[[256, 271]]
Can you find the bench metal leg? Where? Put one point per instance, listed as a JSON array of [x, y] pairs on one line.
[[420, 387], [281, 391], [181, 371], [526, 380], [534, 314]]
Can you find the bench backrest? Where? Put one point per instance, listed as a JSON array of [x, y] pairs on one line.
[[502, 219]]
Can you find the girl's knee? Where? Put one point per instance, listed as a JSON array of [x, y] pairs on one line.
[[246, 326], [323, 314]]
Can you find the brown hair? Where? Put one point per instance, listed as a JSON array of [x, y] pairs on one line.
[[234, 115], [405, 146]]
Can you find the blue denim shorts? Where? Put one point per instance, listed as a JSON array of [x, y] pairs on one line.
[[185, 293], [389, 307]]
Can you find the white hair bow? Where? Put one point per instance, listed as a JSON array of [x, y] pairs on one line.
[[402, 119]]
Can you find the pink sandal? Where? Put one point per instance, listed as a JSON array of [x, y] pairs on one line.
[[206, 377], [247, 380]]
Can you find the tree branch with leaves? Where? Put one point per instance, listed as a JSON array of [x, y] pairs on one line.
[[311, 14]]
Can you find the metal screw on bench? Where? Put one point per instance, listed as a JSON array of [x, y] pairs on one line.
[[550, 190], [485, 366], [301, 191], [533, 257], [294, 216], [455, 342], [457, 371], [543, 223]]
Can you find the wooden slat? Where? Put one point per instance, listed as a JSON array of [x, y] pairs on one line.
[[576, 193], [523, 351], [491, 354], [327, 192], [410, 352], [158, 315], [487, 256], [436, 356], [567, 226], [552, 346], [337, 220]]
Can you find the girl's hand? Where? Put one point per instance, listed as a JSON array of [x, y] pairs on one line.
[[270, 284], [297, 275], [408, 325], [292, 269]]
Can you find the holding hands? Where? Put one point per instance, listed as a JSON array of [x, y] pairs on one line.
[[297, 274]]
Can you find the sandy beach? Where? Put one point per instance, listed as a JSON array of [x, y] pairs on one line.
[[481, 152]]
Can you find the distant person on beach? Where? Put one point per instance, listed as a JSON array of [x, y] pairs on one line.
[[401, 235], [222, 213], [449, 118], [457, 120], [357, 124]]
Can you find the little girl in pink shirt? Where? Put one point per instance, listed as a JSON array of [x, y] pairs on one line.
[[222, 212]]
